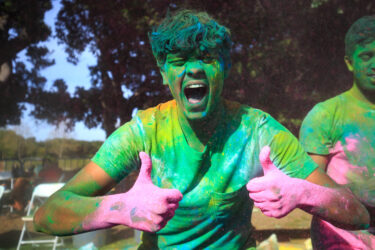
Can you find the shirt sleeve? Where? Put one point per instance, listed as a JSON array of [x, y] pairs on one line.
[[118, 155], [315, 135], [286, 152]]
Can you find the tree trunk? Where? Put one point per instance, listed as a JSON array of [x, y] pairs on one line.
[[5, 70]]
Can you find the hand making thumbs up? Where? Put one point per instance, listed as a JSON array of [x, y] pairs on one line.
[[275, 193], [145, 206], [152, 207]]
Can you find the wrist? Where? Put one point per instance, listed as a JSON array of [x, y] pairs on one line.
[[308, 193], [109, 212]]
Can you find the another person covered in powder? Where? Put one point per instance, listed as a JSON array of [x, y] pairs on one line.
[[339, 134], [198, 153]]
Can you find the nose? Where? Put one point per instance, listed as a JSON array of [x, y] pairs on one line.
[[194, 69], [372, 66]]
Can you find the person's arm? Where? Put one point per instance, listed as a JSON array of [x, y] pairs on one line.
[[277, 194], [321, 160], [363, 188], [364, 191], [79, 206]]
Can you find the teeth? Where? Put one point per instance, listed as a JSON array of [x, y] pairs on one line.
[[193, 86]]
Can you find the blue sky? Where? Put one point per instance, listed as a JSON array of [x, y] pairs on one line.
[[73, 75]]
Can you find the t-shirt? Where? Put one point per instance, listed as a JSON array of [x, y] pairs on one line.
[[215, 211], [343, 128]]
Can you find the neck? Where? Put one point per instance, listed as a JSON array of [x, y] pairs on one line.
[[198, 132], [368, 98]]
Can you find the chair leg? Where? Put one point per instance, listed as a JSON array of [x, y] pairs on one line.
[[21, 236], [58, 242], [54, 244]]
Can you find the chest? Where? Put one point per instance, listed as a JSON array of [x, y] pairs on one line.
[[217, 173], [353, 152]]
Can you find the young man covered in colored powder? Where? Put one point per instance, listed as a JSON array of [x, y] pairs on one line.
[[339, 134], [197, 154]]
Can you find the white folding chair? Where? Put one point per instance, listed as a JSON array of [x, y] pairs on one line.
[[6, 176], [40, 194], [3, 192], [2, 189]]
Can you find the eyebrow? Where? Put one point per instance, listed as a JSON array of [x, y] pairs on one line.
[[171, 56], [366, 52]]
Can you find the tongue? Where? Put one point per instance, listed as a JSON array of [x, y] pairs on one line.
[[195, 95], [193, 100]]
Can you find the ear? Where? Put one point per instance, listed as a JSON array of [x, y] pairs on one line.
[[348, 63], [164, 76]]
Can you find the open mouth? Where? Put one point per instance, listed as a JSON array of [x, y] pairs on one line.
[[371, 76], [195, 92]]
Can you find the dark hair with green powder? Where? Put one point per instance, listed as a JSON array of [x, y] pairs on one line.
[[361, 32], [187, 31]]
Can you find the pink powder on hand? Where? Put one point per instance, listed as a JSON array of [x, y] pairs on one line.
[[145, 206], [275, 193]]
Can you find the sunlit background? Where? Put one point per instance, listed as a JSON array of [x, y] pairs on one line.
[[73, 75], [72, 71]]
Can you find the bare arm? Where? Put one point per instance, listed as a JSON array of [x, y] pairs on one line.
[[78, 206], [364, 191], [334, 203], [65, 211]]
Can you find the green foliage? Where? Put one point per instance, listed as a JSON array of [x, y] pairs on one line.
[[286, 56], [72, 164], [8, 145], [117, 33], [13, 146], [55, 105], [317, 3], [21, 28]]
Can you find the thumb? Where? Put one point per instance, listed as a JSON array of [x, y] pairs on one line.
[[173, 195], [146, 167], [265, 160]]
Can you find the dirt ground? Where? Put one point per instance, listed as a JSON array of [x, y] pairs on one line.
[[11, 226], [291, 231]]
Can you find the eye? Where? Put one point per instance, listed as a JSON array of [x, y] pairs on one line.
[[208, 59], [177, 62], [365, 56]]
